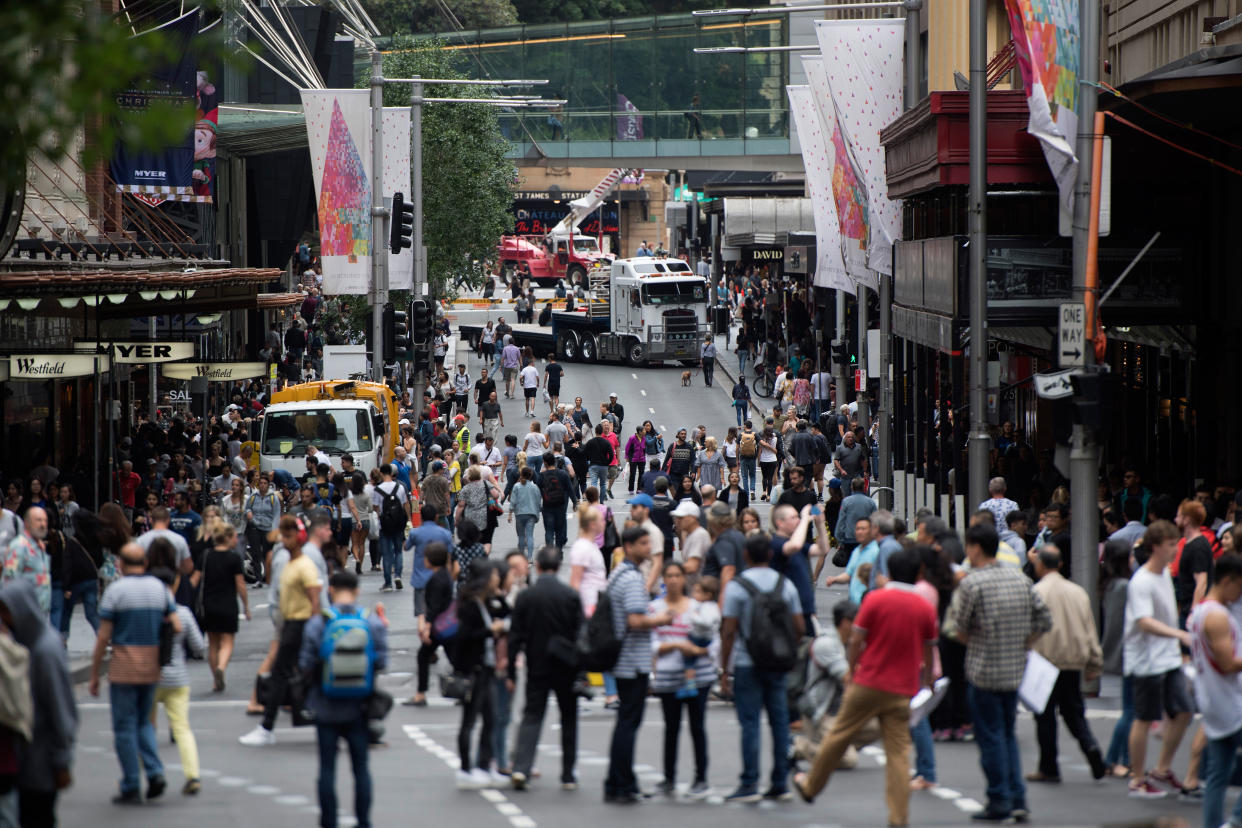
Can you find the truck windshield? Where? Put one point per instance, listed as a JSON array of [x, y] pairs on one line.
[[674, 293], [332, 430], [585, 244]]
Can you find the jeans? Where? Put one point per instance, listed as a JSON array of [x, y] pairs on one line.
[[672, 733], [1219, 758], [747, 465], [740, 406], [709, 369], [391, 554], [526, 535], [610, 684], [479, 706], [503, 701], [597, 476], [754, 690], [994, 714], [176, 701], [621, 780], [1067, 696], [356, 738], [133, 734], [924, 750], [1119, 745], [554, 527], [537, 689], [57, 607], [742, 355]]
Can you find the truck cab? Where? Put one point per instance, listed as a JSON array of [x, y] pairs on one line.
[[337, 417], [660, 303]]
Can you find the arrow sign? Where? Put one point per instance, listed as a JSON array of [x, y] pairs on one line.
[[1055, 386], [1071, 334]]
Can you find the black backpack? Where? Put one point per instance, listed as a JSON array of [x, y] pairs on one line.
[[773, 641], [392, 513], [599, 647], [553, 491]]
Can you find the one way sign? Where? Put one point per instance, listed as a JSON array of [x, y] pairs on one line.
[[1071, 335]]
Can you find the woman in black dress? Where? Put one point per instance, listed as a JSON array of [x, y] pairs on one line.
[[476, 656], [223, 581]]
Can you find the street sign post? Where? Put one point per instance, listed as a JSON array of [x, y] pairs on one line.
[[1055, 386], [1072, 335]]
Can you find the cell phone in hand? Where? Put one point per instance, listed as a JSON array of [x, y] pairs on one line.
[[814, 511]]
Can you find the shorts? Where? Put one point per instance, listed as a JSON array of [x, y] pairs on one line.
[[1161, 694], [554, 390], [420, 602], [530, 392], [510, 373]]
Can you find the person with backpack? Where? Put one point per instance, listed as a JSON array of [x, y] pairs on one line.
[[890, 656], [342, 650], [558, 491], [747, 451], [762, 608], [625, 603], [392, 502]]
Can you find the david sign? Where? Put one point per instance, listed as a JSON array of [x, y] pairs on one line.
[[215, 371], [142, 353]]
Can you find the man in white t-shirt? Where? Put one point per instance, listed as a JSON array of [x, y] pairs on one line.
[[391, 539], [821, 394], [693, 539], [530, 386], [488, 455], [1152, 660]]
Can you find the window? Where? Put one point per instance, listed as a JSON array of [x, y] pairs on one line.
[[331, 430], [674, 293], [585, 244]]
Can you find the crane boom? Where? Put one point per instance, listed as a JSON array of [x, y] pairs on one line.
[[580, 208]]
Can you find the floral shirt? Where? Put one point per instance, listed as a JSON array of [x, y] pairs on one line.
[[23, 558]]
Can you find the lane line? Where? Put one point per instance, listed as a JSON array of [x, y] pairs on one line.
[[650, 410], [632, 374], [642, 391], [492, 795], [968, 805]]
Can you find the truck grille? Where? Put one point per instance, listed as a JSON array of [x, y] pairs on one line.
[[680, 325]]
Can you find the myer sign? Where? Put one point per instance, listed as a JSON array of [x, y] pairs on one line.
[[215, 371], [53, 366], [142, 353]]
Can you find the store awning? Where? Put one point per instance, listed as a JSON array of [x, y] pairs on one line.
[[1037, 338], [68, 283], [254, 130], [1164, 337], [765, 221], [275, 301]]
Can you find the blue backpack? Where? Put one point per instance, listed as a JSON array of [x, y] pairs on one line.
[[348, 655]]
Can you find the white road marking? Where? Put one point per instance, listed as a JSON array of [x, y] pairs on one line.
[[635, 376], [642, 391], [968, 805], [233, 781], [263, 790], [508, 809], [493, 796], [521, 822], [651, 410], [945, 793], [292, 800], [662, 428], [502, 804]]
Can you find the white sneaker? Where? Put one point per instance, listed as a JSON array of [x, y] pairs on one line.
[[496, 779], [482, 778], [259, 737], [466, 781]]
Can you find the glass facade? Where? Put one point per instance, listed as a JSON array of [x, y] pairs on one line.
[[635, 87]]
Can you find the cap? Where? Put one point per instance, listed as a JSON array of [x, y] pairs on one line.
[[435, 448], [437, 466], [150, 461], [641, 499], [613, 394], [460, 418], [834, 483], [686, 509], [165, 457], [403, 421], [234, 407]]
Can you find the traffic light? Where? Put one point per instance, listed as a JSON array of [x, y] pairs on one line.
[[389, 328], [1095, 393], [840, 352], [422, 360], [422, 321], [401, 225], [401, 335]]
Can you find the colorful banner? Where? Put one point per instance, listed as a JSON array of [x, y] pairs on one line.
[[848, 192], [172, 172], [338, 131], [397, 180], [1045, 39], [630, 123], [863, 64], [817, 161]]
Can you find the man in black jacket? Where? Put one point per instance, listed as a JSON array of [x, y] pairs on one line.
[[545, 623]]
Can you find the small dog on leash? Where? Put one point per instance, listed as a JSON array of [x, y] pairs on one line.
[[685, 379]]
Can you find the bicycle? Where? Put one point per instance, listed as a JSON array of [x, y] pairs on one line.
[[764, 382]]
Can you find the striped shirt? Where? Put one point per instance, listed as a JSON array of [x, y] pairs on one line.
[[628, 594], [136, 604], [670, 668]]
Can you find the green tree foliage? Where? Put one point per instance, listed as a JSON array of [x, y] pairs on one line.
[[61, 67], [421, 16], [558, 11]]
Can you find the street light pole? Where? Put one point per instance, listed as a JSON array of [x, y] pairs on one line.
[[1084, 450], [379, 253], [420, 381], [978, 207]]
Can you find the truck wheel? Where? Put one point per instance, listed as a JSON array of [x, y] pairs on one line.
[[635, 353], [567, 346], [590, 348], [577, 275]]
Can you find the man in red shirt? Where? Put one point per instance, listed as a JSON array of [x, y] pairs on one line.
[[890, 656], [127, 483]]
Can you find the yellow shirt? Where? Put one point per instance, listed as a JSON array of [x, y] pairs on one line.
[[253, 462], [454, 477], [298, 575]]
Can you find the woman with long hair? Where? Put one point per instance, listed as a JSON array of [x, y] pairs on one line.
[[361, 507], [588, 575], [223, 583], [748, 521], [935, 584], [653, 448], [179, 480], [710, 466], [233, 509], [687, 491], [13, 496], [476, 638], [113, 533], [734, 494], [472, 504], [142, 515], [1115, 571], [729, 449]]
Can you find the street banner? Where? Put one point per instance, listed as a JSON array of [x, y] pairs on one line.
[[1045, 39], [397, 180], [817, 161], [630, 121], [140, 353], [53, 366], [848, 191], [338, 131], [167, 173], [863, 62], [215, 371]]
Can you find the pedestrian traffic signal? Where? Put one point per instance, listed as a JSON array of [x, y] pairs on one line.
[[422, 320], [840, 352], [401, 224], [1095, 392], [422, 361]]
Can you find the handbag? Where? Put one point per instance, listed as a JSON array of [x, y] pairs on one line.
[[457, 685], [379, 705]]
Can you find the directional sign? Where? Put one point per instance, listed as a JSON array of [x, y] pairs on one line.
[[1071, 335], [1054, 386]]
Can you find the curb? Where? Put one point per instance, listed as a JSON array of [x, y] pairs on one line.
[[720, 366]]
